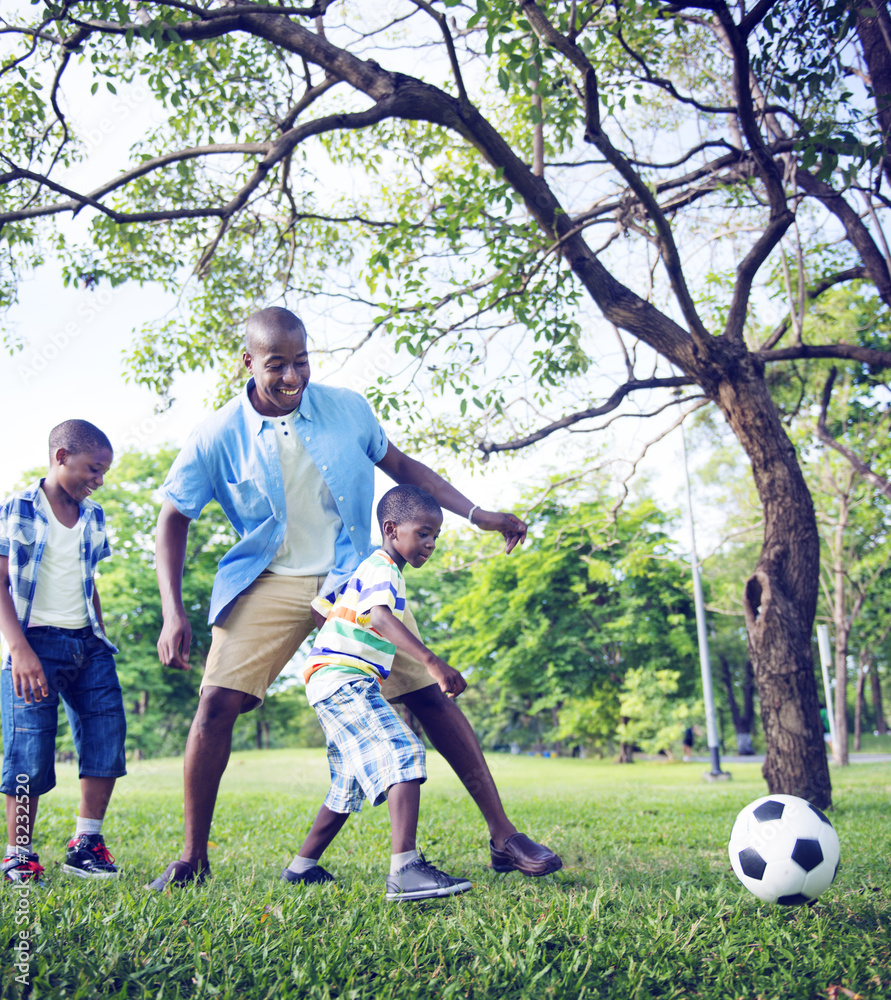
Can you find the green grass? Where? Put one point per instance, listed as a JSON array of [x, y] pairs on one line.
[[647, 905]]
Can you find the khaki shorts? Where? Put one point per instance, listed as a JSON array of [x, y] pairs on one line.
[[267, 624]]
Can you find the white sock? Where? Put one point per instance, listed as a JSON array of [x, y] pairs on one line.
[[300, 865], [399, 861], [86, 825], [19, 849]]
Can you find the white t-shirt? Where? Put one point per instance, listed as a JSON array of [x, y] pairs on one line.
[[59, 596], [313, 522]]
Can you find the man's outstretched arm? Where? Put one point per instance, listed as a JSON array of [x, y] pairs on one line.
[[403, 469]]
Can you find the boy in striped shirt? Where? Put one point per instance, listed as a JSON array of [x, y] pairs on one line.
[[371, 752]]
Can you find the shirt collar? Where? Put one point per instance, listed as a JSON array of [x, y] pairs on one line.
[[34, 494], [256, 420]]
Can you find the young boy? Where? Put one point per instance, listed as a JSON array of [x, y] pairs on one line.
[[371, 752], [52, 537]]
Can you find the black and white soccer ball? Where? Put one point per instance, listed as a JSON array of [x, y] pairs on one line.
[[784, 850]]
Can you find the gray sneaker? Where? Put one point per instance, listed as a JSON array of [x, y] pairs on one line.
[[420, 880]]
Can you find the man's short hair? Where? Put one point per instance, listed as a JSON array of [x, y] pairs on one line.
[[264, 321], [406, 503], [76, 437]]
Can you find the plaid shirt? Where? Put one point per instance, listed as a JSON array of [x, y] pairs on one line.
[[23, 532]]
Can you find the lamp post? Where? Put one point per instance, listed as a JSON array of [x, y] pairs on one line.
[[708, 695]]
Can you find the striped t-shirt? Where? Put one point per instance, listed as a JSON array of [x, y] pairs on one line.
[[347, 644]]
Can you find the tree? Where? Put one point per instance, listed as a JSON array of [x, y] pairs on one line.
[[550, 636], [543, 162], [651, 716], [854, 521]]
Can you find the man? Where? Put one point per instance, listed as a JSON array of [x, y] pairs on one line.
[[292, 466]]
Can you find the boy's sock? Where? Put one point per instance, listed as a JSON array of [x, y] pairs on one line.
[[399, 861], [19, 849], [300, 865], [85, 825]]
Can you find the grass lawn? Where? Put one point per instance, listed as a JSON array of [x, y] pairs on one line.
[[646, 906]]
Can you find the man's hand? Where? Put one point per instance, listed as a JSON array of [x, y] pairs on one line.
[[403, 469], [28, 678], [511, 527], [450, 681], [175, 642]]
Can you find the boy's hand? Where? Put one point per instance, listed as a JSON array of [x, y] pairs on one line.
[[175, 641], [28, 677], [450, 681]]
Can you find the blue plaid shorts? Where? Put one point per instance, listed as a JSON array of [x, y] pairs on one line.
[[369, 747]]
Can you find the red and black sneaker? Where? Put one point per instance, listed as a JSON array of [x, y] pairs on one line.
[[22, 868], [88, 857]]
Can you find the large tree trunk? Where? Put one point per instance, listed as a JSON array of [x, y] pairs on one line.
[[781, 595]]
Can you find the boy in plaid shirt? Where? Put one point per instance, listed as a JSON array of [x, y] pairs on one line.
[[52, 537], [371, 752]]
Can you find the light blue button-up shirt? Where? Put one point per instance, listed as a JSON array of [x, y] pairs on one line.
[[232, 457]]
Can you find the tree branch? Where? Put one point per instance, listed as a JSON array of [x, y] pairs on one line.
[[856, 231], [849, 352], [880, 482], [851, 274], [490, 447]]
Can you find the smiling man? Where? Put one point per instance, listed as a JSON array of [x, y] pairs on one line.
[[292, 465]]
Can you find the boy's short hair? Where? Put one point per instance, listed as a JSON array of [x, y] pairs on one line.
[[76, 437], [406, 503]]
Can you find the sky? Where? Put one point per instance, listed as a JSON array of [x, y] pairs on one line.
[[74, 338], [72, 366]]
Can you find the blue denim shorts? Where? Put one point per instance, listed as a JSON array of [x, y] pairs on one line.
[[80, 670]]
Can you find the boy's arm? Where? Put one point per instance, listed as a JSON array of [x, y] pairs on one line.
[[384, 622], [28, 677]]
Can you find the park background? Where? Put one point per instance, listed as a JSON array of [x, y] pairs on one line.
[[441, 288]]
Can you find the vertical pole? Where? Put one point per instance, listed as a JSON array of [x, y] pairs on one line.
[[708, 695], [825, 659]]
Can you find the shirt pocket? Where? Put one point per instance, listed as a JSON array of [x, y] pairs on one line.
[[23, 534], [249, 502]]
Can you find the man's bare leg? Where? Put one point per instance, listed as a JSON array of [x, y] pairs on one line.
[[207, 754], [206, 757], [453, 737]]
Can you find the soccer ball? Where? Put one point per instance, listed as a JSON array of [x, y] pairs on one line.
[[784, 850]]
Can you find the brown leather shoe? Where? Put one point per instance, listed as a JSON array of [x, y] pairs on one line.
[[179, 873], [522, 854]]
